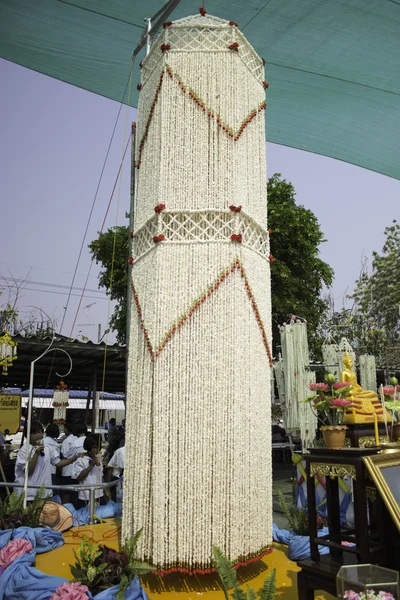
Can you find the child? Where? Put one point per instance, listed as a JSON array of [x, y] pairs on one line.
[[39, 466], [117, 462], [89, 471], [68, 451], [50, 440]]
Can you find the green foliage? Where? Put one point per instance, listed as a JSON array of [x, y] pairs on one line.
[[13, 514], [296, 517], [99, 567], [111, 250], [228, 577], [298, 274], [372, 325]]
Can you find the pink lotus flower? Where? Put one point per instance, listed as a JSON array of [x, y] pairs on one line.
[[340, 402], [70, 591], [319, 387], [13, 550], [388, 390], [340, 385]]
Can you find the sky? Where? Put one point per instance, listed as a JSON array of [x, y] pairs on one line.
[[53, 145]]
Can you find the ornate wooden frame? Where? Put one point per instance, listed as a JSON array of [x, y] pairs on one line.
[[375, 465]]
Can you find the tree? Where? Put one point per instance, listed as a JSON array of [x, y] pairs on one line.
[[372, 325], [111, 251], [298, 274]]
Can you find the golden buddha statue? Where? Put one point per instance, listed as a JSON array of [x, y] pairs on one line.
[[365, 402]]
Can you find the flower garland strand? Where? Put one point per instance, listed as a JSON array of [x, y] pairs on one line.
[[237, 265], [235, 135]]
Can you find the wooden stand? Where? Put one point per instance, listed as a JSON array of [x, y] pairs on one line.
[[363, 436], [320, 572]]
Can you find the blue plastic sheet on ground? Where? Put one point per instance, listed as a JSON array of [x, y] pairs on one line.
[[299, 545], [81, 516], [21, 581]]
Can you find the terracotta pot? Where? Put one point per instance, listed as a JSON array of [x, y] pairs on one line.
[[334, 436], [396, 431]]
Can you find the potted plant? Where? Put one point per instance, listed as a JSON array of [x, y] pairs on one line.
[[329, 401]]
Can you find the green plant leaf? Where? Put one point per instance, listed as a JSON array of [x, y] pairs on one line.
[[269, 587]]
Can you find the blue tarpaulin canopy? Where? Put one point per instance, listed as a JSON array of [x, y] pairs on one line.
[[333, 65]]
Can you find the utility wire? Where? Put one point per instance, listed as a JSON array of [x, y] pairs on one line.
[[95, 198]]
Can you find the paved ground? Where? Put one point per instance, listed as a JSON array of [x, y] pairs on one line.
[[284, 474]]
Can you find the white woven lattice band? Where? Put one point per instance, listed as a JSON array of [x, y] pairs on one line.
[[183, 227]]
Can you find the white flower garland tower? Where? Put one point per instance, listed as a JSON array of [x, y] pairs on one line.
[[297, 374], [60, 404], [198, 456], [368, 372]]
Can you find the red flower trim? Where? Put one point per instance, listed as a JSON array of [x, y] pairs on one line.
[[141, 64], [265, 84], [233, 24], [201, 104], [139, 86], [60, 404], [263, 61], [236, 237], [196, 305], [234, 46], [130, 260], [146, 129], [159, 208], [271, 259], [165, 47], [236, 209], [208, 571], [62, 387], [131, 234], [269, 231], [167, 24], [158, 238], [202, 11]]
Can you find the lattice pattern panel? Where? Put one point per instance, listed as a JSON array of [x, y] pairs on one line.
[[200, 226], [203, 34]]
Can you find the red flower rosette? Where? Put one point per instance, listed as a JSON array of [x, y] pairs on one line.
[[158, 238], [130, 260], [167, 24], [234, 46], [265, 84], [159, 208], [202, 11], [236, 237], [271, 259], [233, 24], [236, 209], [165, 47]]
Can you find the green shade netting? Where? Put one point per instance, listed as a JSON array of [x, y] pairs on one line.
[[333, 65]]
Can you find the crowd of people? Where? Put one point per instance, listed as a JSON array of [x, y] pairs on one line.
[[72, 459]]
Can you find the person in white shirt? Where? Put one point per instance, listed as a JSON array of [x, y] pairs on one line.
[[88, 470], [38, 459], [117, 462], [80, 431], [67, 451], [50, 440]]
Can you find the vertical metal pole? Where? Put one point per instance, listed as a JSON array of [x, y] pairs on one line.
[[148, 36], [94, 400], [28, 432], [99, 333], [130, 243], [91, 506]]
